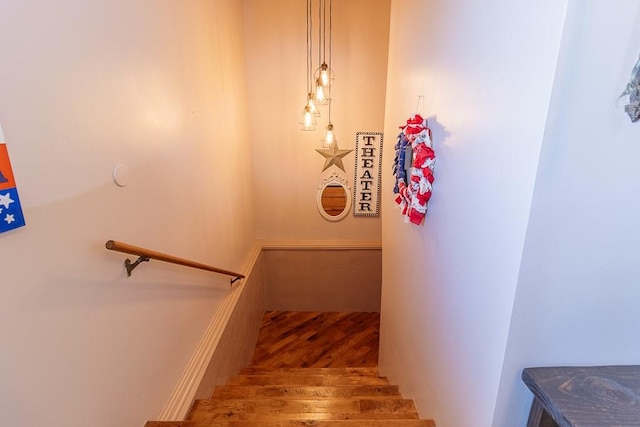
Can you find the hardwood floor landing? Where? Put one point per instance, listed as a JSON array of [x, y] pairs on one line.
[[289, 339]]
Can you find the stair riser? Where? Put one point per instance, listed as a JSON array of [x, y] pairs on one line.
[[330, 423], [306, 380], [304, 392], [311, 371], [287, 409], [203, 420]]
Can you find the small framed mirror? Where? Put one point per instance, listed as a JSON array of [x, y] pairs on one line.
[[334, 199]]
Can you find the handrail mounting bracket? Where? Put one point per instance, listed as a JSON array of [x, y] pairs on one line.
[[131, 265], [235, 279]]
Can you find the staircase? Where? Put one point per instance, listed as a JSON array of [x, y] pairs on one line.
[[296, 397], [308, 369]]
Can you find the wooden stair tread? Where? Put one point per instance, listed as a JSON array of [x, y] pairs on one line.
[[328, 423], [362, 371], [309, 380], [297, 397], [303, 392], [207, 419]]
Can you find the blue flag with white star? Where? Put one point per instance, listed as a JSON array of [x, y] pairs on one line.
[[11, 216]]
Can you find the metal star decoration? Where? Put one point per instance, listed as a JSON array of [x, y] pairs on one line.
[[333, 156]]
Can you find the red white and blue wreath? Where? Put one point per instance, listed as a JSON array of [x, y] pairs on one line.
[[413, 192]]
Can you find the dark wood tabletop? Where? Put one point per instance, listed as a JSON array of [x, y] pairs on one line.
[[588, 396]]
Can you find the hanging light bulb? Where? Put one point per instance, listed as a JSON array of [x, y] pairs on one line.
[[325, 75], [311, 102], [308, 119], [329, 137], [322, 93]]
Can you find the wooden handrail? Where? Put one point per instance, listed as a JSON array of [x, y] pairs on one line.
[[147, 254]]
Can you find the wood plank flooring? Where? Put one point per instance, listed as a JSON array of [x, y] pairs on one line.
[[317, 340], [309, 369]]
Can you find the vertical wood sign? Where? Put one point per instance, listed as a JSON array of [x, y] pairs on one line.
[[11, 216], [366, 187]]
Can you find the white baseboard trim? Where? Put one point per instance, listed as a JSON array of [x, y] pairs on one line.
[[181, 400]]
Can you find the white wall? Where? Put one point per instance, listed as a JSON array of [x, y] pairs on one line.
[[485, 70], [287, 169], [577, 296], [159, 87]]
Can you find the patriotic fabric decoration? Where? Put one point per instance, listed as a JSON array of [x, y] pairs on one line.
[[10, 211], [414, 191]]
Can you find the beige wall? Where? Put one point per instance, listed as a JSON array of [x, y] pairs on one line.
[[162, 89], [323, 279], [287, 169], [159, 87]]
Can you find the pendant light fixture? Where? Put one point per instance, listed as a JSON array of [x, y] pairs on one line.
[[329, 137], [310, 110], [309, 121], [323, 76], [311, 102], [322, 79]]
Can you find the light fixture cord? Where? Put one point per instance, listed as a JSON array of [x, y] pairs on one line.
[[330, 31], [330, 46], [309, 46], [330, 28], [320, 32], [324, 30]]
